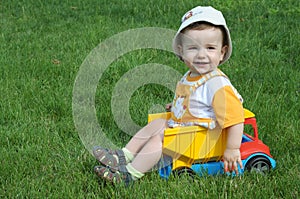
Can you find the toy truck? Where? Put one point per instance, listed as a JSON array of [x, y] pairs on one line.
[[193, 150]]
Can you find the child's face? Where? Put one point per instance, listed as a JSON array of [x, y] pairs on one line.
[[202, 50]]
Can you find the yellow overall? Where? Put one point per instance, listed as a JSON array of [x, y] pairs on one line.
[[180, 114]]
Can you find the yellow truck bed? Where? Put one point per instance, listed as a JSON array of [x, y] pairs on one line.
[[193, 144]]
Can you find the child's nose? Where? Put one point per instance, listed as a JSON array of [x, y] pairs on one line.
[[201, 53]]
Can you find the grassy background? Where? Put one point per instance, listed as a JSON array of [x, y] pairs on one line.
[[42, 45]]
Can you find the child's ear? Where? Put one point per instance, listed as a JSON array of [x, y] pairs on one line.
[[223, 52], [179, 50], [179, 47]]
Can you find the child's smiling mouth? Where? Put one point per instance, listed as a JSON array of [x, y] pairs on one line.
[[200, 64]]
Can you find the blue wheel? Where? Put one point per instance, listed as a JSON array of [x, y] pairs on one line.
[[184, 173], [258, 164]]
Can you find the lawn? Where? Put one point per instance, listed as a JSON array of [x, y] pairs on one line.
[[45, 46]]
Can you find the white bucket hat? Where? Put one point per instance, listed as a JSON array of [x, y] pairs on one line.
[[205, 14]]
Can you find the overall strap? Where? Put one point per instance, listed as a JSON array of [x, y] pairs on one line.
[[208, 76]]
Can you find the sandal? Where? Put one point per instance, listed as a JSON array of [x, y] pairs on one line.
[[114, 176], [111, 158]]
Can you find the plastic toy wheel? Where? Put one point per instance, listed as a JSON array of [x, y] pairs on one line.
[[258, 164], [184, 173]]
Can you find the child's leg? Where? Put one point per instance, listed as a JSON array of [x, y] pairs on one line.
[[114, 158], [146, 146], [154, 130], [149, 155]]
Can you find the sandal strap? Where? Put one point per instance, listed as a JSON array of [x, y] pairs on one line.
[[121, 156], [114, 176], [115, 157]]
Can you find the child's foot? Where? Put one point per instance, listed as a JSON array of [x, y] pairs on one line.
[[115, 176], [112, 158]]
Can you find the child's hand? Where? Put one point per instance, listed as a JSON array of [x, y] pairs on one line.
[[231, 158], [168, 107]]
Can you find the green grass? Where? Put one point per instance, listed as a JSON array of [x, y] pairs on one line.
[[44, 43]]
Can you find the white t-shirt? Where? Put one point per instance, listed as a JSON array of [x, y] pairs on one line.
[[216, 99]]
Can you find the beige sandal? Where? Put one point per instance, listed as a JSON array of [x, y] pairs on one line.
[[114, 176]]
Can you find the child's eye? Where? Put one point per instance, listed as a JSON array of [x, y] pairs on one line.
[[192, 48], [211, 48]]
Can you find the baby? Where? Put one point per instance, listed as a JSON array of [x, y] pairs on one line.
[[204, 96]]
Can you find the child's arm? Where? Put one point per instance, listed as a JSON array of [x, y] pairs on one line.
[[232, 154], [230, 116], [168, 107]]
